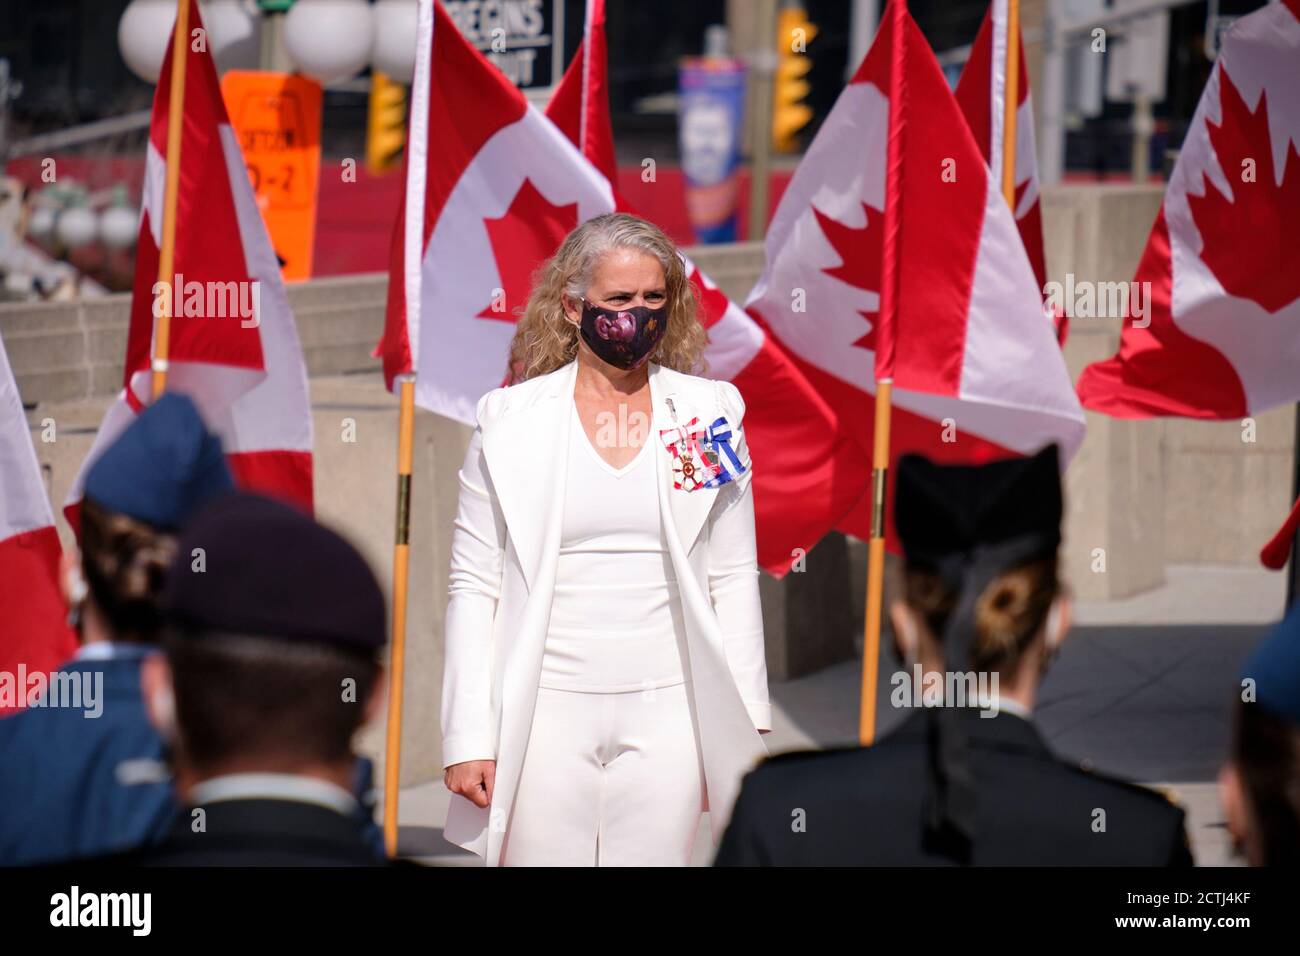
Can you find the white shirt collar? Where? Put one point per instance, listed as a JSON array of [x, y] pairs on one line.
[[274, 786], [109, 650], [1005, 705]]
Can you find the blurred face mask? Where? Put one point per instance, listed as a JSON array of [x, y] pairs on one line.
[[623, 337]]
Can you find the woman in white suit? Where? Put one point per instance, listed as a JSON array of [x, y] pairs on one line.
[[605, 676]]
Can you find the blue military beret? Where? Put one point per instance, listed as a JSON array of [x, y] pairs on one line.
[[1274, 666], [162, 467]]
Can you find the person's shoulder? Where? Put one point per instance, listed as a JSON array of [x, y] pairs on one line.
[[1153, 804], [795, 762], [701, 388], [892, 756], [729, 397], [860, 788], [505, 400], [782, 774], [304, 835], [1150, 826]]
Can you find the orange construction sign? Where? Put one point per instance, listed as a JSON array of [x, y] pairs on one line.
[[277, 118]]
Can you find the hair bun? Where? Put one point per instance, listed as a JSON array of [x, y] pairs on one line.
[[1010, 612], [1000, 614], [125, 563]]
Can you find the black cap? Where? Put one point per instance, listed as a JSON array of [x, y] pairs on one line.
[[270, 570], [969, 524], [943, 512]]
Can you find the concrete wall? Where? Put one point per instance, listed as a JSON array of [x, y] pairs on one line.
[[1143, 494], [67, 351], [1226, 494], [356, 489], [1114, 543]]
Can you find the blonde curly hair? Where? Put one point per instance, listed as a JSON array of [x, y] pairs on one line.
[[545, 340]]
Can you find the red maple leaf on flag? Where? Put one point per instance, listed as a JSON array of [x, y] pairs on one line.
[[1248, 241], [525, 237], [860, 251]]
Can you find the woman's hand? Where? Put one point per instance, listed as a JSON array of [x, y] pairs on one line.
[[473, 779]]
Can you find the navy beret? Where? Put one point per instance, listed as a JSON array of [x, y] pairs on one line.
[[162, 467], [944, 511], [269, 570], [1274, 666]]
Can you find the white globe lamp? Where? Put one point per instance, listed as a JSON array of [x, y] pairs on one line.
[[394, 50], [329, 40], [40, 224], [143, 34], [118, 227], [234, 33], [76, 227]]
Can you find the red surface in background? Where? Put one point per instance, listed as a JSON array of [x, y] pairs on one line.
[[354, 223]]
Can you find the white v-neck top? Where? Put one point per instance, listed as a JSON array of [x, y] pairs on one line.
[[616, 618]]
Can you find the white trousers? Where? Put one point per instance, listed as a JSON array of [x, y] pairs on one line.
[[608, 780]]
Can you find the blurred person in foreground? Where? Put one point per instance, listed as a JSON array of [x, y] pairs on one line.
[[968, 778], [91, 779], [1260, 784], [274, 625]]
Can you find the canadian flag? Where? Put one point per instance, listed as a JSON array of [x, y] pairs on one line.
[[33, 628], [982, 95], [580, 104], [1223, 259], [234, 347], [977, 371], [492, 188]]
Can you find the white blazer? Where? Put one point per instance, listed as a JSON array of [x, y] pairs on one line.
[[505, 548]]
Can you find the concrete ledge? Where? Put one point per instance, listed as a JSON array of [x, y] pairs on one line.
[[67, 351]]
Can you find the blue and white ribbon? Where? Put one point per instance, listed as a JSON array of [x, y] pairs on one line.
[[718, 440]]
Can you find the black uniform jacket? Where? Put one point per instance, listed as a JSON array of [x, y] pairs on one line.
[[264, 832], [864, 806]]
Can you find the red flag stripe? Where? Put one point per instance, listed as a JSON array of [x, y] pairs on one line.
[[438, 123], [34, 633], [33, 616]]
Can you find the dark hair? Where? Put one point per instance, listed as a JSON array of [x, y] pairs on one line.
[[1007, 615], [1266, 750], [125, 561], [286, 702]]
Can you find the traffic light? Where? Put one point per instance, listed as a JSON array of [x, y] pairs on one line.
[[789, 113], [386, 125]]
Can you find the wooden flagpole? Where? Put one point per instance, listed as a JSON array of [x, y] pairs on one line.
[[1011, 97], [167, 253], [875, 563], [413, 200], [884, 369], [401, 567]]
